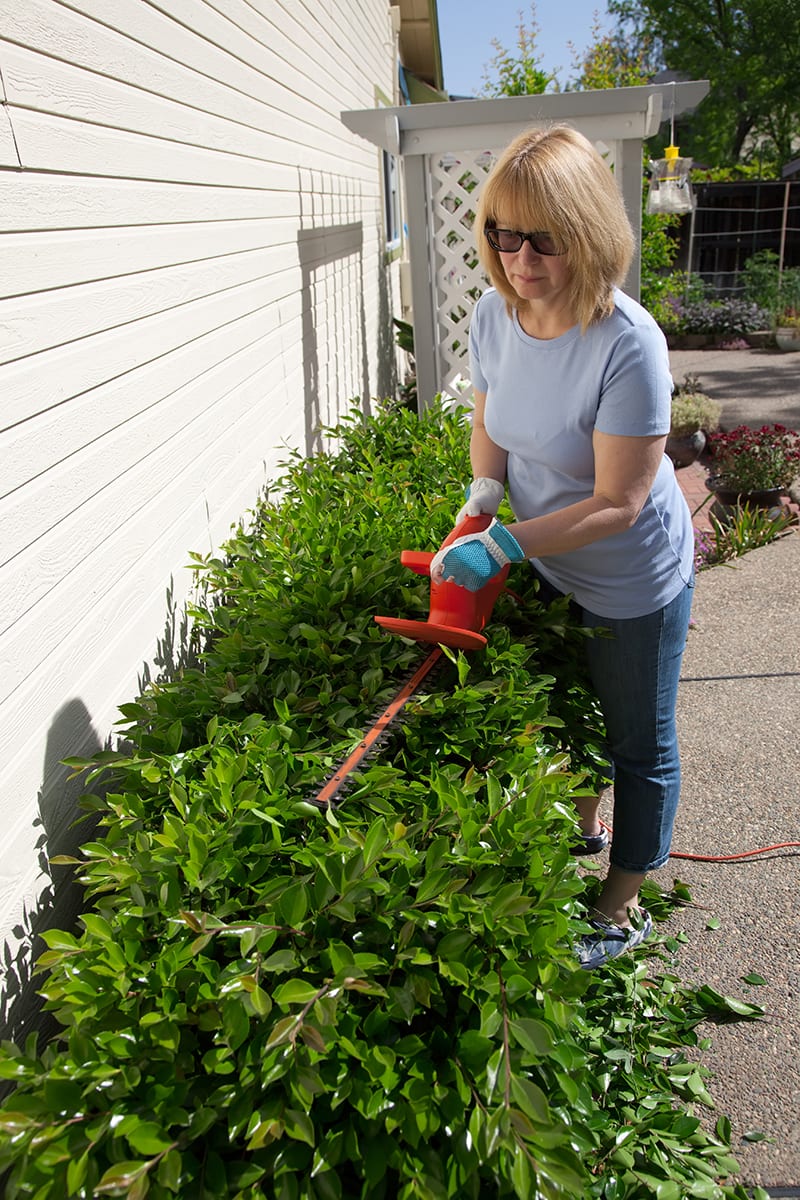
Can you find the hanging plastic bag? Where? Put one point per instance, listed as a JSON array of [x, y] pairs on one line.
[[670, 188]]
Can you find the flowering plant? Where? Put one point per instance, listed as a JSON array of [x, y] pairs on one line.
[[754, 460], [727, 317], [789, 318]]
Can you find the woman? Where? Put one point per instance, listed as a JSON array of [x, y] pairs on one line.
[[572, 410]]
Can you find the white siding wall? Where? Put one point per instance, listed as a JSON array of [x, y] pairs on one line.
[[191, 276]]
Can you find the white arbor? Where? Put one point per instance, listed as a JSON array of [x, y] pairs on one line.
[[447, 151]]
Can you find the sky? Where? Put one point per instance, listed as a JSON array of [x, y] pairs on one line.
[[467, 27]]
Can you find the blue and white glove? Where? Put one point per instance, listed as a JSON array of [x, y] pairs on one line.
[[473, 560], [483, 496]]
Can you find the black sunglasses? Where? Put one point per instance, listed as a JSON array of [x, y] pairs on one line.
[[509, 241]]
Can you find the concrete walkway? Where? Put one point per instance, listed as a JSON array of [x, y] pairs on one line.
[[738, 708], [738, 711], [755, 387]]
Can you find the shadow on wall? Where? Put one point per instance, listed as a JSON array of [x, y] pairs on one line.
[[61, 900], [63, 830], [178, 648], [325, 251]]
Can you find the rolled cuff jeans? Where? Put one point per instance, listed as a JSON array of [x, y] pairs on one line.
[[635, 674]]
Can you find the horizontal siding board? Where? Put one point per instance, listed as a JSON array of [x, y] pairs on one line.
[[40, 203], [43, 84], [207, 43], [287, 53], [52, 500], [192, 79], [92, 545], [54, 377], [39, 446], [38, 262], [50, 143], [30, 324]]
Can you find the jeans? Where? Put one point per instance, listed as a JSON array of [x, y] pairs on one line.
[[635, 676]]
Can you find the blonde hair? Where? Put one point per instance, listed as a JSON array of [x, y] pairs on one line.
[[553, 180]]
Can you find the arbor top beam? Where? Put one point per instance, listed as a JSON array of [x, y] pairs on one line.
[[611, 114]]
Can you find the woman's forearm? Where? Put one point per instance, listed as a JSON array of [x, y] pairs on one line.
[[625, 470], [572, 527], [488, 459], [560, 531]]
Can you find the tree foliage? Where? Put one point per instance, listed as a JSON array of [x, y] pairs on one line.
[[749, 50], [610, 62], [519, 72]]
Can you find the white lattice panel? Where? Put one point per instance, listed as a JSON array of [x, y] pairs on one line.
[[455, 181]]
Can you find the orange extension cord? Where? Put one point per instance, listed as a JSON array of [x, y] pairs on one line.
[[733, 857], [711, 858]]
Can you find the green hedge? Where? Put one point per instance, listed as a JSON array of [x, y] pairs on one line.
[[265, 1001]]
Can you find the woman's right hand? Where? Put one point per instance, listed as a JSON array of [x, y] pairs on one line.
[[483, 496]]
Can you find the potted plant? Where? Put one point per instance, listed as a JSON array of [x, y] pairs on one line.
[[753, 466], [787, 331], [694, 416]]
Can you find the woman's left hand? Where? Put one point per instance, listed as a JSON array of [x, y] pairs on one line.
[[472, 561]]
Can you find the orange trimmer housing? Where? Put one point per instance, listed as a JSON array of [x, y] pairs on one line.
[[456, 615]]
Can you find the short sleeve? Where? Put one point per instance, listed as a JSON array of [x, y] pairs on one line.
[[477, 377], [636, 394]]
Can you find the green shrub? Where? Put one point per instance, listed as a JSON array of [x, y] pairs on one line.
[[666, 303], [693, 409], [766, 286], [724, 317], [264, 1001], [659, 248]]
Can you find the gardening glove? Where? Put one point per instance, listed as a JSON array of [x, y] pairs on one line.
[[483, 496], [473, 560]]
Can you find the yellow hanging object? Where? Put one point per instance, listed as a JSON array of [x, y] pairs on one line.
[[670, 188]]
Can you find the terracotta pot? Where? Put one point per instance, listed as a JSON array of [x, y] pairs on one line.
[[759, 339]]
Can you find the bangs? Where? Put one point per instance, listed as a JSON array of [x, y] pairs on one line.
[[511, 204]]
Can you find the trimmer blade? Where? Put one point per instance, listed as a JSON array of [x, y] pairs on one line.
[[333, 786]]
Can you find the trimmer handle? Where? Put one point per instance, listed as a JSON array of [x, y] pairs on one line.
[[419, 561], [467, 526], [457, 615]]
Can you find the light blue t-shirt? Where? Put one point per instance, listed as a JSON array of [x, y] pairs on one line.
[[544, 399]]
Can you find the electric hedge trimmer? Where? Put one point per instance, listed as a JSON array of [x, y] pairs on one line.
[[455, 620]]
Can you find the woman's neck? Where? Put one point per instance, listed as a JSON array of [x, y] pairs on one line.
[[545, 322]]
